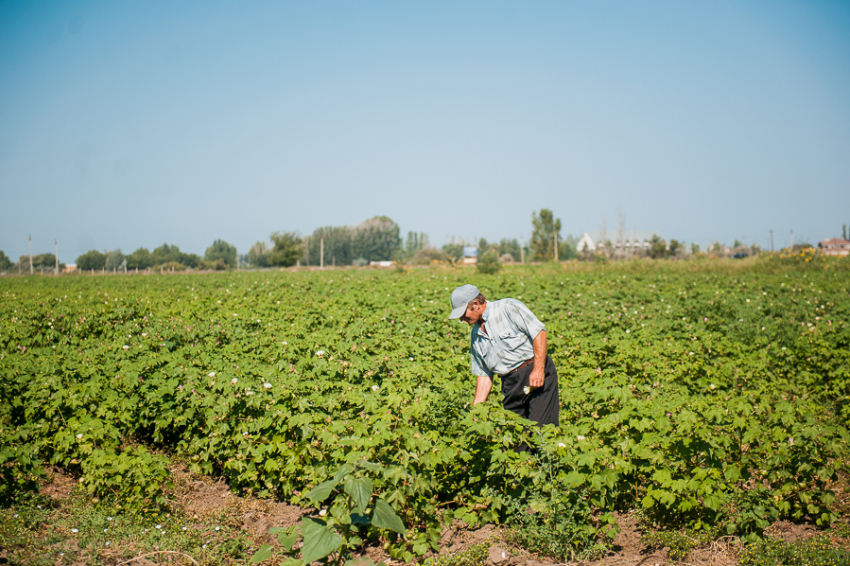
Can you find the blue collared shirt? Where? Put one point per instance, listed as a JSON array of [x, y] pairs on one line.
[[511, 329]]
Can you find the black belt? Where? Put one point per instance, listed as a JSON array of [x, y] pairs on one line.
[[519, 367]]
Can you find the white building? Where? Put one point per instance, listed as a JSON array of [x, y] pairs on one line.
[[633, 240]]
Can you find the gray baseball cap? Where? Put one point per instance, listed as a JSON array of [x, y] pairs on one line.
[[461, 298]]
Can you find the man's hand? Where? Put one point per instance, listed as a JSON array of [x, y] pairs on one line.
[[536, 377]]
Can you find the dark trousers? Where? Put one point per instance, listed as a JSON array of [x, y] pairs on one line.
[[541, 404]]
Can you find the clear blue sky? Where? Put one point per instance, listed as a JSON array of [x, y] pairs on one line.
[[129, 124]]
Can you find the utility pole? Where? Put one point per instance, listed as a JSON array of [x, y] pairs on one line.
[[791, 245], [30, 254], [56, 269], [521, 251], [771, 240], [322, 252]]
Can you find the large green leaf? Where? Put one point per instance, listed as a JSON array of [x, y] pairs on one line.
[[384, 517], [360, 490], [322, 491], [319, 541], [263, 554]]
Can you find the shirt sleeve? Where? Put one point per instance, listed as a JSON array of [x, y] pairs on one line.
[[524, 320], [477, 363]]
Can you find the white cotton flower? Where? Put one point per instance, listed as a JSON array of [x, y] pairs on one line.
[[79, 437], [267, 385], [185, 528], [144, 333], [713, 386], [109, 518], [627, 331], [320, 353], [580, 437], [690, 353], [159, 526], [234, 380], [107, 543], [323, 512], [211, 374], [126, 347], [75, 530], [526, 390], [375, 387], [561, 445], [284, 342], [218, 528]]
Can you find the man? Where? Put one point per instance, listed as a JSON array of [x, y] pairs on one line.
[[509, 341]]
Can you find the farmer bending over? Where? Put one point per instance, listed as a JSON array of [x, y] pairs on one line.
[[509, 341]]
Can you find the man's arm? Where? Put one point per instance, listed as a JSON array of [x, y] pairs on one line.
[[536, 377], [482, 389]]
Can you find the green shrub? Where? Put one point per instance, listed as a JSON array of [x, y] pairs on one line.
[[818, 551]]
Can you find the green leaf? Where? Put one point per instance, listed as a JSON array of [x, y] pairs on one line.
[[360, 491], [287, 541], [319, 541], [322, 491], [362, 561], [263, 554], [292, 562], [384, 517], [343, 471]]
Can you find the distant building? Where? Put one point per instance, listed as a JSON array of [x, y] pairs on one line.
[[470, 254], [382, 263], [835, 246], [69, 268], [633, 240]]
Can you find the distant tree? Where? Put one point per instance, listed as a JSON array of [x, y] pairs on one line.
[[164, 254], [92, 259], [844, 231], [675, 248], [171, 255], [223, 251], [545, 227], [375, 239], [336, 242], [567, 248], [287, 249], [453, 251], [489, 262], [5, 263], [139, 259], [695, 248], [41, 263], [510, 247], [425, 256], [190, 260], [259, 255], [737, 244], [114, 260], [657, 247]]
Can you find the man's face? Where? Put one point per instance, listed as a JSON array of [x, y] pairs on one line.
[[474, 312]]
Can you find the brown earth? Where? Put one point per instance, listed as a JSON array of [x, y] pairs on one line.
[[199, 497]]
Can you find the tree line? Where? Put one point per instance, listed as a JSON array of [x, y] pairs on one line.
[[376, 239]]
